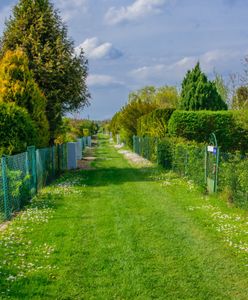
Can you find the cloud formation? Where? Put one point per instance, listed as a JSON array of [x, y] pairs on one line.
[[100, 80], [175, 71], [94, 49], [71, 8], [137, 10]]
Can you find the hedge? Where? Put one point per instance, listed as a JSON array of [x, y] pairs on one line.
[[229, 130], [155, 123], [17, 130]]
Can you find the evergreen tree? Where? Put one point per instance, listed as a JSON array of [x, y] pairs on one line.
[[198, 93], [37, 28], [17, 85]]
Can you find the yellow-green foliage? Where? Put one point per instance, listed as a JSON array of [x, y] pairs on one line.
[[155, 123], [128, 119], [17, 130], [17, 85], [71, 129]]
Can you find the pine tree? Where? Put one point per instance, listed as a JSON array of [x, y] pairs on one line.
[[17, 85], [198, 93], [61, 75]]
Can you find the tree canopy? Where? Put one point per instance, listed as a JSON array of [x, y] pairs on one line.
[[37, 29], [240, 98], [199, 93], [164, 96]]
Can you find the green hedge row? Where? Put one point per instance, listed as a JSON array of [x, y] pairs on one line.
[[230, 127], [155, 124], [230, 133]]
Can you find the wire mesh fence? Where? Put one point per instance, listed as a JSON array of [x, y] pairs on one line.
[[189, 160], [23, 175]]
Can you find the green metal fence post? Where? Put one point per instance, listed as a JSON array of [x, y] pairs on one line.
[[217, 169], [7, 212], [27, 174], [206, 162], [53, 162], [34, 170], [59, 166]]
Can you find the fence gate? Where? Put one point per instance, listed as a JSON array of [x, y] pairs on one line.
[[212, 164]]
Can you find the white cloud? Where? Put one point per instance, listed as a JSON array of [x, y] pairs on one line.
[[102, 80], [139, 9], [94, 49], [71, 8], [210, 60]]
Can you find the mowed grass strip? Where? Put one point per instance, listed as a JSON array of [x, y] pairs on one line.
[[119, 232]]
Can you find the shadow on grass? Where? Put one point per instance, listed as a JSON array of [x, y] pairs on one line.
[[116, 176]]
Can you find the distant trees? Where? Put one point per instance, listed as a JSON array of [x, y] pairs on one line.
[[37, 29], [221, 86], [126, 120], [71, 129], [240, 98], [167, 97], [198, 93], [164, 96]]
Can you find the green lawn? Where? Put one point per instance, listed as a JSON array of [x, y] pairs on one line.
[[124, 232]]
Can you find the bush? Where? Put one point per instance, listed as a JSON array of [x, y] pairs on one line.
[[164, 154], [233, 178], [198, 126], [184, 158], [17, 130], [17, 85], [155, 123]]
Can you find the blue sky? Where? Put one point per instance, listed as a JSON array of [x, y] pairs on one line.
[[132, 43]]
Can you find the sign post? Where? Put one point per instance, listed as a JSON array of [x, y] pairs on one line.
[[212, 164]]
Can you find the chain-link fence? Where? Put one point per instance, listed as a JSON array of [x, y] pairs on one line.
[[146, 147], [190, 160], [23, 175]]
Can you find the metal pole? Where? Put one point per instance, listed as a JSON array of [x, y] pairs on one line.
[[5, 189]]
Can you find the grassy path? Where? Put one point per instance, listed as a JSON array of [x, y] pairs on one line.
[[122, 232]]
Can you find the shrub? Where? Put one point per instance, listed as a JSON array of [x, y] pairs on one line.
[[183, 157], [198, 126], [17, 130], [233, 178], [155, 123], [164, 154], [17, 85]]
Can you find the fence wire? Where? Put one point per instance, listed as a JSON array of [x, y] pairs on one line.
[[23, 175], [190, 161]]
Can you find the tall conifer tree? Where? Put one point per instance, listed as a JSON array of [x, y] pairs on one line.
[[199, 93], [36, 27]]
